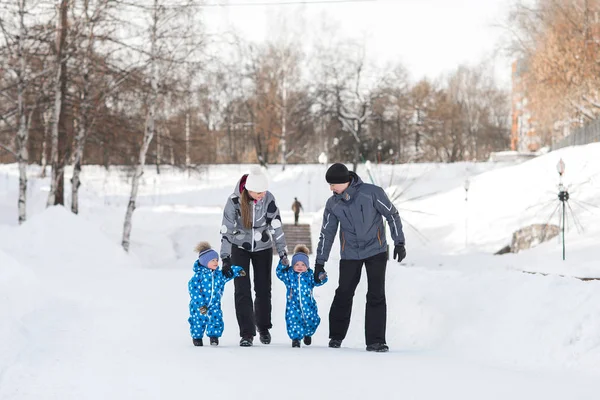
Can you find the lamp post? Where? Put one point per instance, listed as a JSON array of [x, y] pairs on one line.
[[563, 196], [467, 185]]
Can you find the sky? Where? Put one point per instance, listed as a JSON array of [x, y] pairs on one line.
[[429, 37]]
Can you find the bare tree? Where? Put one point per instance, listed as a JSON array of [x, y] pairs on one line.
[[348, 91], [16, 49], [22, 42], [558, 42], [90, 18], [167, 50], [59, 139]]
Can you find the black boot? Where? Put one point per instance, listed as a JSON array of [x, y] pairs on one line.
[[378, 347], [307, 340], [214, 341], [264, 336], [246, 341], [197, 342], [296, 343], [335, 344]]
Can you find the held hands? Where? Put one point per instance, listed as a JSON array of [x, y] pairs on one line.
[[320, 273], [399, 252], [226, 269], [284, 260]]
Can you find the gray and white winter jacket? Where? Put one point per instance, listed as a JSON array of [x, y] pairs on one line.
[[359, 211], [266, 224]]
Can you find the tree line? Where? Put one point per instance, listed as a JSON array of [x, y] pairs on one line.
[[558, 42], [115, 82]]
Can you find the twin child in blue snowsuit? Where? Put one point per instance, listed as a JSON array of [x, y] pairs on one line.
[[206, 289], [301, 313], [207, 285]]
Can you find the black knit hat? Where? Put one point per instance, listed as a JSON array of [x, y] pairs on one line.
[[337, 173]]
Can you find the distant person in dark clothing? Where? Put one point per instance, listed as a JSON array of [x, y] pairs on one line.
[[358, 208], [296, 207]]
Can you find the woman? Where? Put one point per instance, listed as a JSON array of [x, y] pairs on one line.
[[251, 221]]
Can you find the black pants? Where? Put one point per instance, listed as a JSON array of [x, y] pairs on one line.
[[249, 318], [341, 308], [296, 215]]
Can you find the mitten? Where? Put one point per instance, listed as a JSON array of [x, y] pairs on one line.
[[284, 260], [399, 252], [226, 269], [319, 270]]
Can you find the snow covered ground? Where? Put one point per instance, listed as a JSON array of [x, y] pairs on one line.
[[80, 319]]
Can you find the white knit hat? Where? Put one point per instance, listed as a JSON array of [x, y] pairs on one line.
[[257, 181]]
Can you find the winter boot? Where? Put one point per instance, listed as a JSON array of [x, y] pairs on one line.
[[214, 341], [197, 342], [246, 341], [307, 340], [335, 344], [378, 347], [264, 336], [296, 343]]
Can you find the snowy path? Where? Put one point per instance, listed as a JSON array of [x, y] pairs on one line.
[[96, 341], [80, 319]]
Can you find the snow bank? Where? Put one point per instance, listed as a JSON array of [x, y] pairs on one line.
[[57, 238], [19, 297]]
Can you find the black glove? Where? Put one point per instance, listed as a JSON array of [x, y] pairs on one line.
[[284, 260], [399, 252], [226, 269], [319, 269]]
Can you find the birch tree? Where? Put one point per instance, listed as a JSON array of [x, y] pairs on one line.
[[20, 43], [92, 15], [16, 62], [59, 140], [150, 124], [167, 50]]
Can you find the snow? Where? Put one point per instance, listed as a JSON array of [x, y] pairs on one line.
[[80, 318]]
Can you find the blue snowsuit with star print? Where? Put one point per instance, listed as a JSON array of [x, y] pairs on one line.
[[206, 289], [301, 313]]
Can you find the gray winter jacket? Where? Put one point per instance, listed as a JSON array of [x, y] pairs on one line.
[[266, 224], [359, 211]]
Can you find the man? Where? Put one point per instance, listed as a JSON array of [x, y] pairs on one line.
[[359, 209], [296, 207]]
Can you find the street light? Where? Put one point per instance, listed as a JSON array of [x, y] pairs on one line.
[[563, 196], [560, 167]]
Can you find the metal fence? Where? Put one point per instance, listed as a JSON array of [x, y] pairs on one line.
[[589, 133]]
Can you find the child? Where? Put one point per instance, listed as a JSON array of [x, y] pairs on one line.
[[206, 288], [301, 314]]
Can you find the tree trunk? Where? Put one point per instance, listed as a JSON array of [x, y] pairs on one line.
[[158, 151], [85, 109], [23, 131], [44, 161], [283, 125], [59, 142], [148, 133], [80, 142], [187, 140]]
